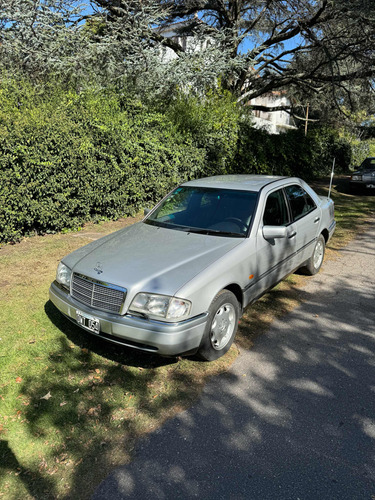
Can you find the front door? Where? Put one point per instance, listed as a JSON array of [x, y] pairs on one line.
[[274, 256]]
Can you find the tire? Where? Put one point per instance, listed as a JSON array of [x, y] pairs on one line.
[[221, 328], [316, 260]]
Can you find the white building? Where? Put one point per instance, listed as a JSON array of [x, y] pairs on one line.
[[186, 40], [274, 122]]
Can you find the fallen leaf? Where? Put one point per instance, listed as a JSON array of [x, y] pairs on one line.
[[63, 403], [94, 411], [84, 350], [47, 396], [76, 390], [18, 380], [97, 370]]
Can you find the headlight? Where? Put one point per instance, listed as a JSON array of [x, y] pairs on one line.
[[160, 306], [356, 177], [63, 275]]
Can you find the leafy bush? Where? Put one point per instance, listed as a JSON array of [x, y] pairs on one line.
[[290, 153], [67, 158], [212, 121]]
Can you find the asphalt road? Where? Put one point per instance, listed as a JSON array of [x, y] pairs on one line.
[[295, 416]]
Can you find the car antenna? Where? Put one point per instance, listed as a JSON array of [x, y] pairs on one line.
[[330, 184]]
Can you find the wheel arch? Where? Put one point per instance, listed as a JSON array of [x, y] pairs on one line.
[[325, 234], [237, 292]]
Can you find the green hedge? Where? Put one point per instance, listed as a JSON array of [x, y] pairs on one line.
[[291, 153], [67, 157]]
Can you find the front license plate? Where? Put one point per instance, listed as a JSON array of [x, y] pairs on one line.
[[88, 322]]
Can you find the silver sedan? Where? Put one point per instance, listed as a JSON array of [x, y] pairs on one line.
[[178, 281]]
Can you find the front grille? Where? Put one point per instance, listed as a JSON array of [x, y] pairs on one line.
[[98, 294]]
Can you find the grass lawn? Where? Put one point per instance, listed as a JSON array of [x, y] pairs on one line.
[[72, 406]]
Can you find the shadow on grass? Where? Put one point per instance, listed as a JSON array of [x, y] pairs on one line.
[[113, 352], [89, 405], [34, 482]]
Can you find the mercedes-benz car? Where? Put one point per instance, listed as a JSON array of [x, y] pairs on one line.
[[177, 282], [364, 177]]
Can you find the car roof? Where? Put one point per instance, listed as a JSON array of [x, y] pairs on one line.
[[240, 182]]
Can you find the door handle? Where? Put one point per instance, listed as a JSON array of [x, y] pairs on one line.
[[317, 219], [292, 234]]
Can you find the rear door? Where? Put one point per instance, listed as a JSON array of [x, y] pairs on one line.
[[306, 217]]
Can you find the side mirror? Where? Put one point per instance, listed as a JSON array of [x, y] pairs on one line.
[[272, 232], [146, 211]]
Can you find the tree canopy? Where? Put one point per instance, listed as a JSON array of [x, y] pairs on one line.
[[320, 50]]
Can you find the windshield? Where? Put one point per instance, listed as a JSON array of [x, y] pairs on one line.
[[221, 212], [368, 163]]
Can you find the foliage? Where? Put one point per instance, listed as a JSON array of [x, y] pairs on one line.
[[67, 158], [213, 123], [360, 151], [290, 153], [269, 45], [316, 50]]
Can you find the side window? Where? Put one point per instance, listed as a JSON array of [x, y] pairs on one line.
[[301, 203], [275, 212]]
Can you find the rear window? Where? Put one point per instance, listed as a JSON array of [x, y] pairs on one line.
[[300, 202]]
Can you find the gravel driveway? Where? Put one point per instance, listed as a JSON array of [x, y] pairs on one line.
[[295, 416]]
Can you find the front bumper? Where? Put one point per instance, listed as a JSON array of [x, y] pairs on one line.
[[168, 339], [363, 183]]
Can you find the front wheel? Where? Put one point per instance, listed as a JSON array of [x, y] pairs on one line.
[[316, 260], [221, 327]]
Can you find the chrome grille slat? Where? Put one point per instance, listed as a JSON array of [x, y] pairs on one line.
[[98, 294]]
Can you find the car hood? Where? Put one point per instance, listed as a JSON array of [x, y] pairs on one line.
[[147, 258]]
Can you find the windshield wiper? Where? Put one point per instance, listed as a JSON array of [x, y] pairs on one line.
[[196, 230], [215, 232]]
